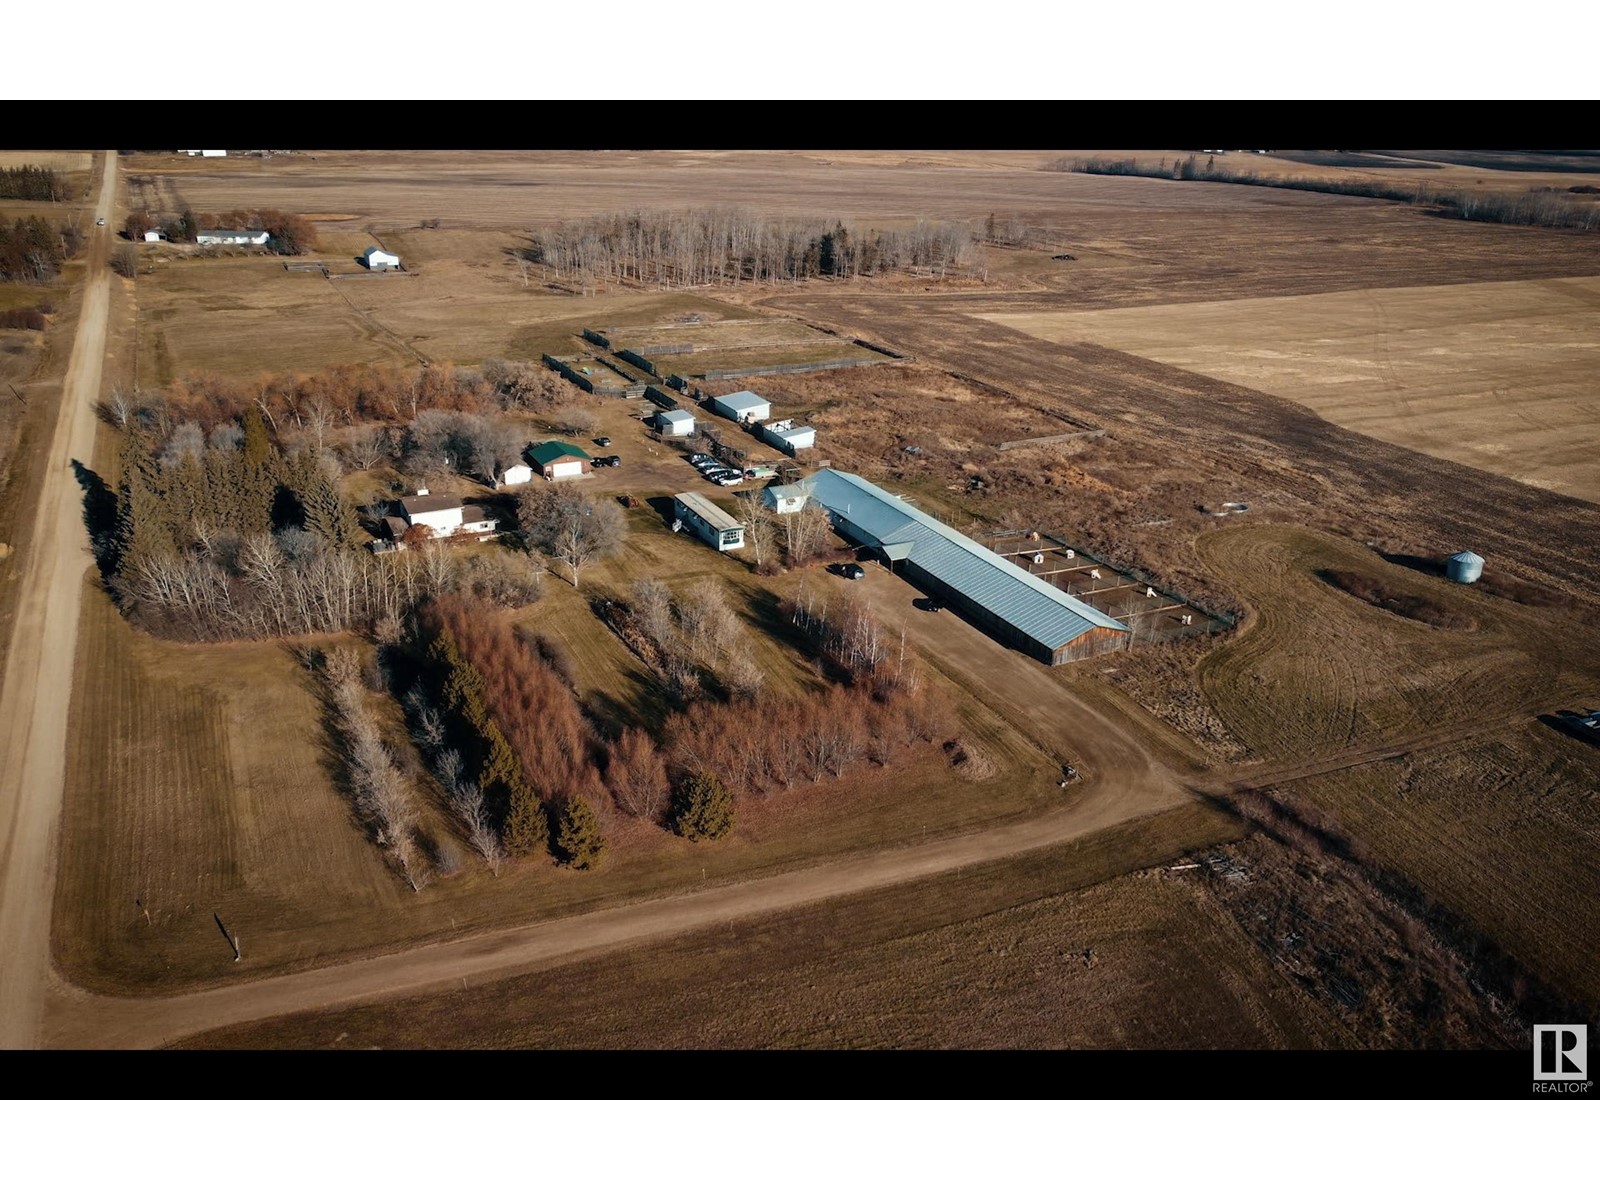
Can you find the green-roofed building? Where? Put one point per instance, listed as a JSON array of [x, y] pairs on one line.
[[559, 460]]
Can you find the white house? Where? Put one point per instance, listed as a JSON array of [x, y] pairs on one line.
[[789, 437], [786, 497], [231, 237], [154, 235], [677, 423], [743, 407], [513, 475], [446, 516], [442, 514], [380, 260], [205, 153], [708, 522]]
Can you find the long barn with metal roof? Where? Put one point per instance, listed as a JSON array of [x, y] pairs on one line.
[[993, 592]]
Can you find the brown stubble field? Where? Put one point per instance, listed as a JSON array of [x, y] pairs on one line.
[[1498, 376], [1175, 439]]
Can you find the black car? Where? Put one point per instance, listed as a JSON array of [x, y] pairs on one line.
[[602, 441], [850, 571], [608, 460]]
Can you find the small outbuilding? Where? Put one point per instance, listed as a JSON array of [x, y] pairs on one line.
[[560, 460], [743, 407], [376, 259], [708, 522], [677, 423], [789, 437], [515, 474], [784, 498], [154, 235]]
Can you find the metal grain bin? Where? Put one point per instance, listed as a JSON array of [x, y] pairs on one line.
[[1465, 567]]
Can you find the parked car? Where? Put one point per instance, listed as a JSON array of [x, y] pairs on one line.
[[850, 571], [727, 480], [100, 221], [701, 461], [613, 460], [602, 441]]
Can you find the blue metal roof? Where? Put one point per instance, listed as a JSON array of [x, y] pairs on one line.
[[1042, 612]]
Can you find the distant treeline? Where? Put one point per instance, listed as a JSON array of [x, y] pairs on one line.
[[1524, 208], [32, 251], [32, 183], [728, 246]]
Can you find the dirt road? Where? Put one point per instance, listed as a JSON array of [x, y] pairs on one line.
[[38, 679]]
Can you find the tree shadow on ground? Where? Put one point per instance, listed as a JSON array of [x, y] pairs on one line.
[[99, 518]]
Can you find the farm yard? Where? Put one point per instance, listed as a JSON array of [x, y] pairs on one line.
[[1267, 411]]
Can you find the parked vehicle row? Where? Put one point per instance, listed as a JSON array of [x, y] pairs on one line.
[[716, 471]]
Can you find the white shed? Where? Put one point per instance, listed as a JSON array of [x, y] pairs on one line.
[[789, 437], [679, 422], [380, 260], [154, 235], [785, 497], [743, 406], [520, 473]]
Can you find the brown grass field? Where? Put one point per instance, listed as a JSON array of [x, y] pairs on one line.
[[1495, 375], [1368, 377]]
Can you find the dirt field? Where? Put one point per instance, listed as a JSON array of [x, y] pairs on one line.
[[985, 965], [1496, 375]]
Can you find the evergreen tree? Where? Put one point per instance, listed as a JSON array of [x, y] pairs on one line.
[[258, 475], [144, 531], [526, 829], [703, 808], [578, 838], [326, 512]]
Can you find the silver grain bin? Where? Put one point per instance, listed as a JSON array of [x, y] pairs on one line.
[[1465, 567]]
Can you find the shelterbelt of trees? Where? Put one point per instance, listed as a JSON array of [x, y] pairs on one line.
[[287, 233], [32, 250]]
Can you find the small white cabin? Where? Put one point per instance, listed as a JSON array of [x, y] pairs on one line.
[[380, 260], [513, 475], [677, 423], [784, 498], [154, 235]]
